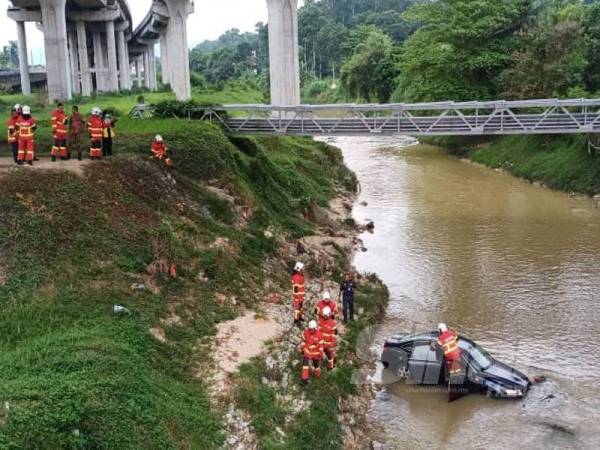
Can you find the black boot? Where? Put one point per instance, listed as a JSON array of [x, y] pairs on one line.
[[53, 158]]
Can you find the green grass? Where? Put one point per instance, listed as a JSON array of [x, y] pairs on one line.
[[560, 162], [75, 375]]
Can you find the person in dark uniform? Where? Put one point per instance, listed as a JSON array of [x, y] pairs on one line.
[[347, 294]]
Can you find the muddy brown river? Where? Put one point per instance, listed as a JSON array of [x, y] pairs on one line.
[[512, 266]]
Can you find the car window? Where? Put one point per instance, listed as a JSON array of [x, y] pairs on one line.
[[422, 351], [476, 355]]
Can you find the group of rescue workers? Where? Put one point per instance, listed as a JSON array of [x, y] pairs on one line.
[[67, 132], [319, 339]]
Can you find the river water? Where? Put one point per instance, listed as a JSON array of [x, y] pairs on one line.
[[512, 266]]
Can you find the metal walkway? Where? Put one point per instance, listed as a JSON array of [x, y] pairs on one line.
[[550, 116]]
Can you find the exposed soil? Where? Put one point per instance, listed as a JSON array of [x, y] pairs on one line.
[[45, 163], [239, 340]]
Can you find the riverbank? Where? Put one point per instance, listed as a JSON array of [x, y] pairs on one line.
[[181, 252], [558, 162], [271, 408]]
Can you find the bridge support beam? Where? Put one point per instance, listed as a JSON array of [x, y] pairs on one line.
[[99, 62], [111, 51], [74, 63], [84, 63], [283, 52], [177, 48], [23, 61], [55, 42], [164, 59], [124, 70]]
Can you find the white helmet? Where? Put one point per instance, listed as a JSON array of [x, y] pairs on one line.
[[26, 110], [158, 138], [326, 295], [312, 325], [442, 327], [96, 111], [17, 107], [326, 311], [299, 266]]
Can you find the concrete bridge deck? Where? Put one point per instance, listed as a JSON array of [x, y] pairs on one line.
[[548, 116]]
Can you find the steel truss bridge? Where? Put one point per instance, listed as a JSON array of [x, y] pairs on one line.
[[549, 116]]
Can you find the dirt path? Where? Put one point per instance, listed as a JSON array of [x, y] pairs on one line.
[[45, 163], [239, 340]]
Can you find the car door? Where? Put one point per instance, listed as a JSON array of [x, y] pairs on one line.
[[420, 357]]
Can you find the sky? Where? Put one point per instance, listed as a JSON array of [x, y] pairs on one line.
[[210, 19]]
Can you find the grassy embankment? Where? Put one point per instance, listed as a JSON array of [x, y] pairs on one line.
[[73, 374], [121, 104], [559, 162]]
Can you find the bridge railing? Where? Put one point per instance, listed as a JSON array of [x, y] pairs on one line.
[[548, 116]]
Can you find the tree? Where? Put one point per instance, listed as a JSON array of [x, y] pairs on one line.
[[551, 58], [370, 72], [460, 50], [591, 32]]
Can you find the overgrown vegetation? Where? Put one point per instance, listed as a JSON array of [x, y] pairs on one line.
[[75, 375], [560, 163]]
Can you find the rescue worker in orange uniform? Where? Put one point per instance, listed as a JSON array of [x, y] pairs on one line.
[[327, 302], [59, 133], [159, 150], [298, 291], [312, 350], [328, 329], [26, 127], [95, 128], [448, 342], [12, 135]]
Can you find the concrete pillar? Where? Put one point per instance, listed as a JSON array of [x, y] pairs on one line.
[[177, 47], [84, 64], [55, 42], [128, 67], [23, 61], [283, 52], [152, 71], [138, 73], [146, 63], [164, 59], [123, 63], [74, 63], [99, 62], [111, 47]]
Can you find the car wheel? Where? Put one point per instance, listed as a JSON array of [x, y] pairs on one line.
[[489, 393]]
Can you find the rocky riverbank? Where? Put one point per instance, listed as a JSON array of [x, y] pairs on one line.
[[264, 403]]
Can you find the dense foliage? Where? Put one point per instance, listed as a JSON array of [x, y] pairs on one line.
[[426, 50]]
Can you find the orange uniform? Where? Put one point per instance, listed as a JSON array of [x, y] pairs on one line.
[[95, 128], [448, 341], [333, 306], [328, 329], [298, 293], [312, 349], [26, 137], [59, 132], [159, 151]]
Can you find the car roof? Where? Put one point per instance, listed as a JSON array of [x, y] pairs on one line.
[[400, 339]]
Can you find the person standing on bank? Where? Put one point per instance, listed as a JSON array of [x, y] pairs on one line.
[[76, 129], [108, 133], [347, 294], [12, 136]]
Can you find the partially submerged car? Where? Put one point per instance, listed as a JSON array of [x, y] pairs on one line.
[[418, 360]]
